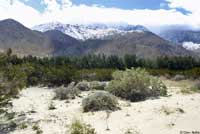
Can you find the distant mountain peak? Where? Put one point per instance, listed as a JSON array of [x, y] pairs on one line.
[[10, 22], [90, 31]]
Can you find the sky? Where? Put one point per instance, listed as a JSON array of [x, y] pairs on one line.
[[150, 13]]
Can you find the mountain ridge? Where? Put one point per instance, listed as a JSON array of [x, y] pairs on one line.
[[25, 41], [90, 31]]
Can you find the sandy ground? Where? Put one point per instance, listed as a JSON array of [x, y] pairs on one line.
[[166, 115]]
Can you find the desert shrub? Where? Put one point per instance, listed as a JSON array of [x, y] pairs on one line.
[[23, 126], [193, 73], [83, 86], [78, 127], [179, 77], [196, 87], [99, 101], [51, 106], [12, 80], [69, 92], [37, 129], [185, 91], [57, 76], [96, 85], [135, 85]]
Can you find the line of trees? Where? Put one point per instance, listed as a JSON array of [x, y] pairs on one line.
[[114, 62]]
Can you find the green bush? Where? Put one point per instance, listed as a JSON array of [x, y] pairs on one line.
[[96, 85], [99, 101], [83, 86], [135, 85], [196, 87], [57, 76], [64, 93], [12, 81], [78, 127]]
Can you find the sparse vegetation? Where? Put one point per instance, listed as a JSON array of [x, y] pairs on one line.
[[78, 127], [69, 92], [169, 110], [23, 126], [136, 85], [185, 91], [37, 129], [131, 131], [51, 106], [83, 86], [100, 101], [179, 77], [96, 85], [196, 87]]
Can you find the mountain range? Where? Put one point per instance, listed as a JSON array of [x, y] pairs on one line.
[[56, 39], [189, 39], [90, 31]]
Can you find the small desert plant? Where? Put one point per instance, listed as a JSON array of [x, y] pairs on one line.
[[23, 126], [51, 106], [170, 110], [98, 85], [135, 85], [78, 127], [10, 115], [180, 110], [99, 101], [37, 129], [83, 86], [131, 131], [185, 91], [178, 77], [64, 93], [167, 110], [196, 87]]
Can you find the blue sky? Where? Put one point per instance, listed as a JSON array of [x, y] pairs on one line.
[[123, 4]]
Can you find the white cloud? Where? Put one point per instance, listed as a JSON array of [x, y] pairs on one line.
[[66, 12], [191, 46], [20, 12], [190, 5]]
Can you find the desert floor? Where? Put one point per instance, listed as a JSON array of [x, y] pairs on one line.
[[165, 115]]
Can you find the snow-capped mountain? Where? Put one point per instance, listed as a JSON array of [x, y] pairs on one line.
[[90, 31]]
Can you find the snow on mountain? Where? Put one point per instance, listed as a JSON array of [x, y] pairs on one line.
[[191, 46], [189, 39], [90, 31]]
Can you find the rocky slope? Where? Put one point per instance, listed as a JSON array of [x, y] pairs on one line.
[[24, 41]]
